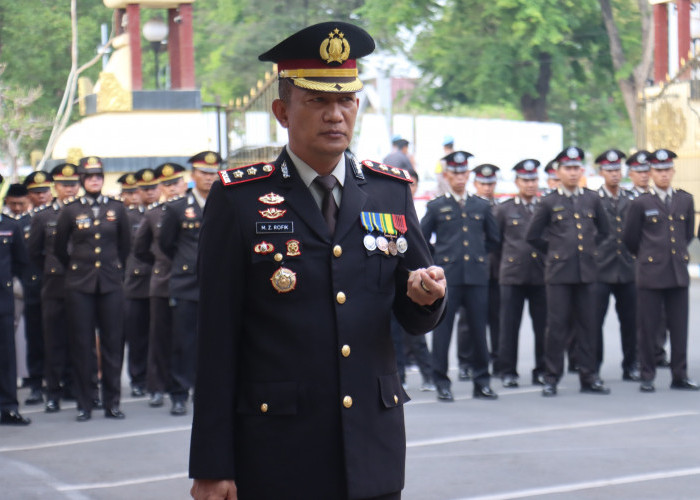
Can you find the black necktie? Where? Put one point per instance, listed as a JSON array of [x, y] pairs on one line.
[[668, 201], [329, 208]]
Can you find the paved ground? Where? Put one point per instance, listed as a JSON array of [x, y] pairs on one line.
[[626, 445]]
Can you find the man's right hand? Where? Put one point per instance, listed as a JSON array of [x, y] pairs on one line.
[[210, 489]]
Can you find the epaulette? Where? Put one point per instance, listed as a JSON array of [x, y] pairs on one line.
[[153, 205], [41, 208], [71, 199], [114, 197], [238, 175], [393, 172]]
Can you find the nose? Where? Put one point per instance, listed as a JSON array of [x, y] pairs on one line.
[[333, 113]]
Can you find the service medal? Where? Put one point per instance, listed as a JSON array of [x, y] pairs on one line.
[[272, 213], [370, 242], [382, 244], [392, 247], [264, 248], [284, 280], [293, 248], [401, 244], [271, 199]]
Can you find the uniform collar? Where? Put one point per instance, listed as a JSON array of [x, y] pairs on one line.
[[565, 192], [308, 174]]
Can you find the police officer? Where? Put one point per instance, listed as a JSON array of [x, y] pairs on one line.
[[566, 227], [147, 249], [616, 264], [639, 169], [38, 186], [465, 232], [96, 229], [521, 276], [294, 345], [136, 283], [54, 320], [16, 202], [13, 260], [553, 181], [179, 237], [399, 154], [660, 225]]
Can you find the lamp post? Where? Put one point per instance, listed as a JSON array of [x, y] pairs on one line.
[[156, 31]]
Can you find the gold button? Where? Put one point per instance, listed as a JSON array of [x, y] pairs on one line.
[[445, 259], [278, 257], [98, 236], [98, 250], [74, 267], [651, 259], [578, 225], [511, 259], [98, 264], [481, 259], [580, 248], [466, 257], [26, 236], [618, 218], [185, 267], [9, 283], [263, 407], [136, 271], [449, 217], [515, 222], [671, 228], [533, 255], [465, 228], [619, 229], [345, 351], [673, 240], [556, 256], [33, 277], [5, 240], [97, 222], [673, 251], [340, 298], [619, 240], [670, 217], [464, 216], [396, 399], [337, 250], [465, 243], [53, 269], [577, 216], [347, 401], [580, 236], [560, 217], [619, 252]]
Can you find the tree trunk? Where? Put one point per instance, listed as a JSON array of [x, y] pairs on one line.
[[535, 108]]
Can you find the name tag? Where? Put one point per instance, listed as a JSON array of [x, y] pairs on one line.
[[651, 212], [274, 227], [558, 208]]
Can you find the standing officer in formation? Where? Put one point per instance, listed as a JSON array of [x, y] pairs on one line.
[[566, 227], [96, 229], [465, 232], [136, 280], [147, 248], [521, 276], [179, 239], [553, 181], [13, 260], [660, 225], [639, 169], [301, 263], [57, 364], [616, 264]]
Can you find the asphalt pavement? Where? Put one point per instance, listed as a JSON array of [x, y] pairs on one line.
[[627, 445]]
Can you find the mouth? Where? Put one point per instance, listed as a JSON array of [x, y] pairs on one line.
[[334, 134]]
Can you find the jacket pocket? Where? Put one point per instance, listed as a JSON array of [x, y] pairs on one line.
[[268, 398], [391, 391]]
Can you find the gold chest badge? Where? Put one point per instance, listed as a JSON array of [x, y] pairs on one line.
[[284, 280], [272, 213]]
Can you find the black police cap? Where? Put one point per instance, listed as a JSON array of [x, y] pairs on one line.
[[16, 190], [485, 173], [128, 182], [166, 172], [90, 165], [610, 159], [38, 181], [146, 177], [639, 161], [206, 161], [662, 159], [526, 169], [65, 173], [570, 156], [322, 57]]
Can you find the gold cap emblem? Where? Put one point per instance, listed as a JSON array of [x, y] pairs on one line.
[[67, 171], [39, 178], [210, 158], [93, 161], [335, 48], [147, 176], [168, 170], [130, 179]]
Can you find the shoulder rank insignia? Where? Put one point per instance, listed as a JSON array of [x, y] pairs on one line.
[[245, 174], [380, 168]]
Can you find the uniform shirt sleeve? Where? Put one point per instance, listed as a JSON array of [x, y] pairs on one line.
[[602, 222], [633, 226], [142, 242], [64, 228], [538, 224], [168, 232], [35, 243], [20, 261], [124, 234]]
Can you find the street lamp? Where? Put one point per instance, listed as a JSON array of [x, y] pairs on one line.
[[156, 31]]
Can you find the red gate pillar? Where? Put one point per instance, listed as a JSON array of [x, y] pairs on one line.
[[181, 47], [683, 30], [133, 12]]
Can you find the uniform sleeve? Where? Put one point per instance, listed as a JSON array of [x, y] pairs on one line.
[[35, 243], [142, 242], [416, 319], [690, 221], [602, 222], [535, 231], [124, 243], [64, 228], [168, 232], [427, 227], [220, 268], [20, 261], [491, 232], [500, 217], [633, 226]]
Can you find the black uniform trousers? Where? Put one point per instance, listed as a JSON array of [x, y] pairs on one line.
[[413, 344], [136, 334], [474, 300], [183, 360], [159, 345], [8, 363], [649, 303], [87, 311], [625, 306], [57, 366], [34, 335], [464, 349], [512, 303], [571, 308]]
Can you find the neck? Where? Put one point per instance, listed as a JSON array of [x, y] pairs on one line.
[[613, 189], [322, 165], [526, 198], [201, 193], [92, 195]]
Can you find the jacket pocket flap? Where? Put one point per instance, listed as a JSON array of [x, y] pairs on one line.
[[391, 391], [268, 398]]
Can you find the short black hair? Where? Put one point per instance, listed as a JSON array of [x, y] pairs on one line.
[[285, 89]]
